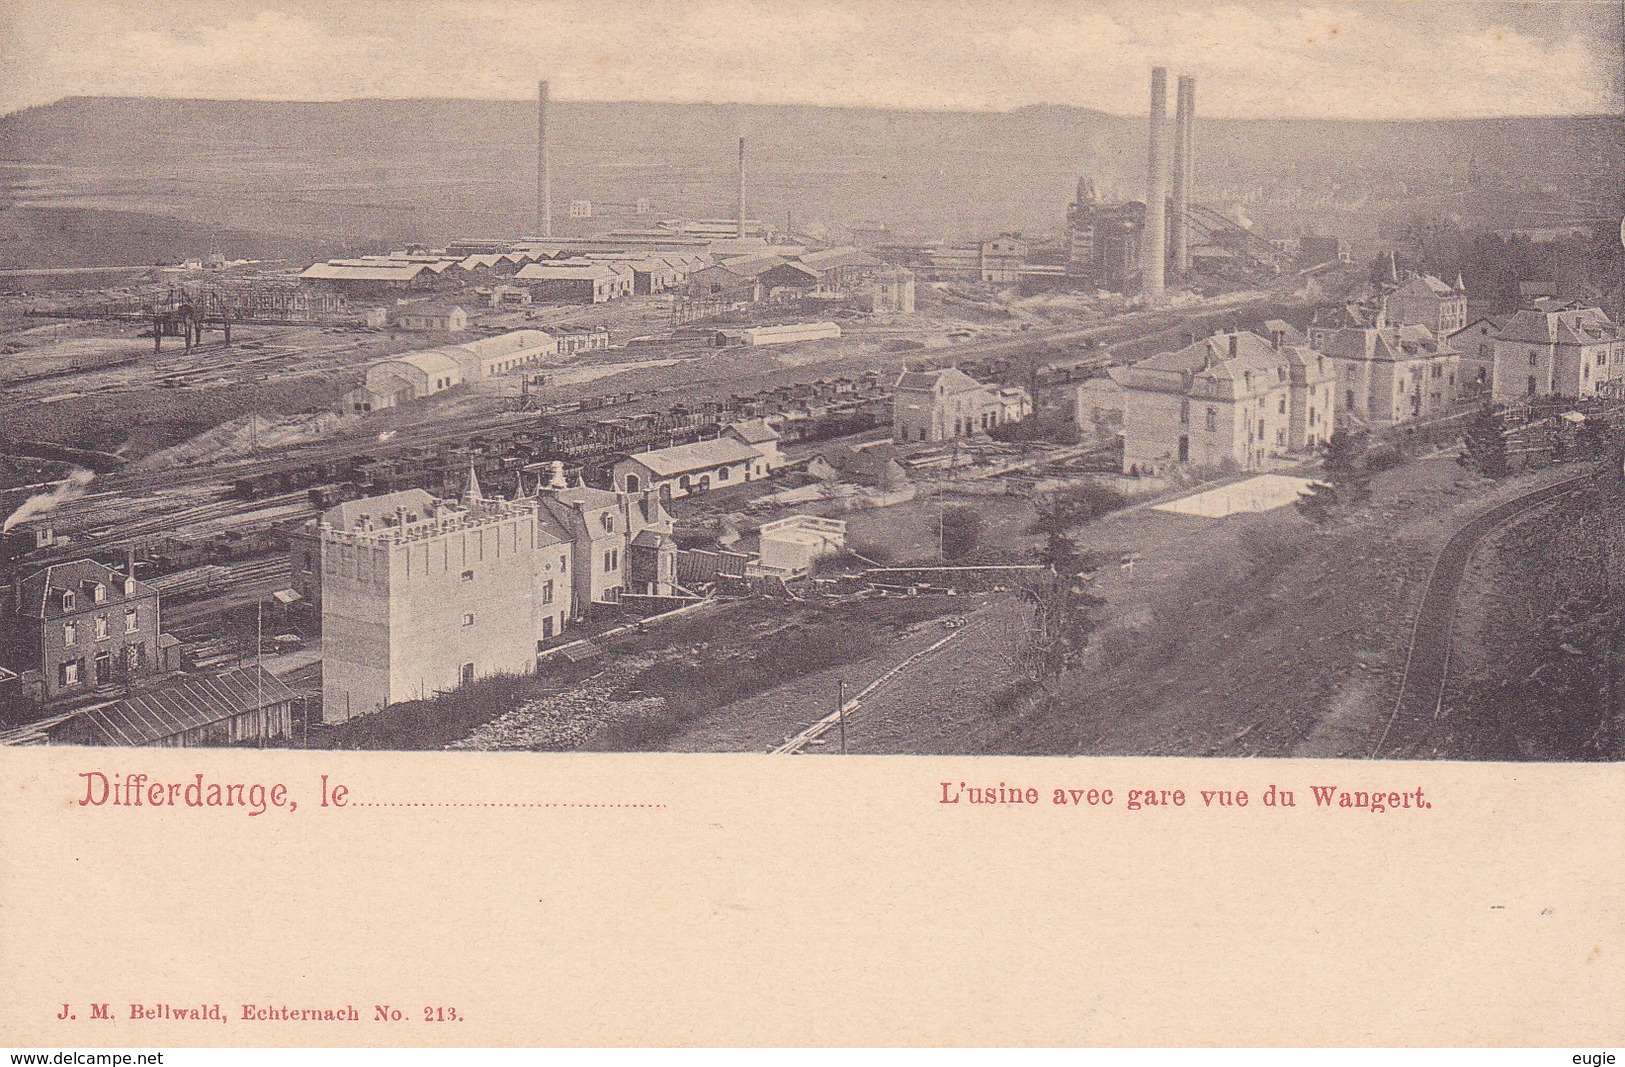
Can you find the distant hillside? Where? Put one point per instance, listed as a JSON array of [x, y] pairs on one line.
[[432, 168]]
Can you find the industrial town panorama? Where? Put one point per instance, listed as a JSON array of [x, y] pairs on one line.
[[562, 424]]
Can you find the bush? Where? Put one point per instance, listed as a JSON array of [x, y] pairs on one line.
[[961, 531], [1381, 457]]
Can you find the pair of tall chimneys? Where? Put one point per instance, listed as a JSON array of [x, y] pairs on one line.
[[1154, 246]]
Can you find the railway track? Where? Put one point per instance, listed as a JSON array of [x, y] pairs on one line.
[[1427, 659]]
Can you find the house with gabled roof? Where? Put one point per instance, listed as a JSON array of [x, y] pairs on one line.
[[82, 626], [1230, 399], [1391, 374], [940, 405], [1572, 353]]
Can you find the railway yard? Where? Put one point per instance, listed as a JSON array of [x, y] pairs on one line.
[[205, 456]]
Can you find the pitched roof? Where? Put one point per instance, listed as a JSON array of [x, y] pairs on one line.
[[954, 379], [1542, 327], [751, 266], [363, 272], [34, 593], [578, 272], [836, 258], [172, 708], [754, 431], [681, 459]]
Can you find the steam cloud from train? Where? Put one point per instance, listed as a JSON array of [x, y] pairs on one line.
[[70, 488]]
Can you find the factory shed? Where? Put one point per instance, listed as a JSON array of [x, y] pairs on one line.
[[414, 375], [243, 705], [492, 356], [576, 282]]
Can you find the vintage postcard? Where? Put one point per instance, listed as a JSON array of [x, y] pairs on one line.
[[925, 522]]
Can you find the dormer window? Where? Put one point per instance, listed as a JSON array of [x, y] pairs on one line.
[[609, 522], [129, 587], [98, 592], [68, 601]]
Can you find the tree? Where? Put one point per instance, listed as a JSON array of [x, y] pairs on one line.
[[961, 531], [1057, 632], [1066, 509], [1483, 446]]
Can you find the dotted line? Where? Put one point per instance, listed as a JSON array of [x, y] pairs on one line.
[[484, 804]]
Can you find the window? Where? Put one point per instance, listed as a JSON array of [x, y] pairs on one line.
[[609, 522], [722, 474], [1184, 412], [564, 564], [468, 576], [467, 673], [1312, 416], [468, 618], [1531, 389], [135, 657], [1534, 358], [547, 591], [101, 627], [67, 601], [70, 633], [98, 593], [1212, 419], [67, 674], [1280, 407], [612, 560]]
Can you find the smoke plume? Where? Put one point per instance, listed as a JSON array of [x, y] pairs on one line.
[[70, 488]]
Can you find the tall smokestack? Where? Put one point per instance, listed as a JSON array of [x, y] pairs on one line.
[[740, 204], [1154, 240], [544, 182], [1184, 170]]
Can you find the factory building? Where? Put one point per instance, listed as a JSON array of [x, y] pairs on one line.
[[1390, 374], [1571, 353], [576, 281], [1231, 399], [411, 376], [420, 595], [1103, 240], [940, 405], [451, 319]]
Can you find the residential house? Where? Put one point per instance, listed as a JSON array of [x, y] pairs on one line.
[[764, 439], [940, 405], [1475, 350], [1563, 353], [1391, 374], [602, 525], [1232, 399], [81, 626], [1423, 300]]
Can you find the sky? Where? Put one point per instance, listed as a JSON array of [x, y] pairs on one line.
[[1366, 59]]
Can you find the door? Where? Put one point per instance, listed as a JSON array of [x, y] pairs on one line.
[[104, 668]]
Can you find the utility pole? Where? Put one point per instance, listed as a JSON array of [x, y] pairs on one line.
[[840, 711]]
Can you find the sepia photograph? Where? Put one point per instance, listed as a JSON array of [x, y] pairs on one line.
[[918, 377]]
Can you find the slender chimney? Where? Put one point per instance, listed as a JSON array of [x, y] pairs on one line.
[[1154, 238], [544, 182], [1184, 171], [740, 203]]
